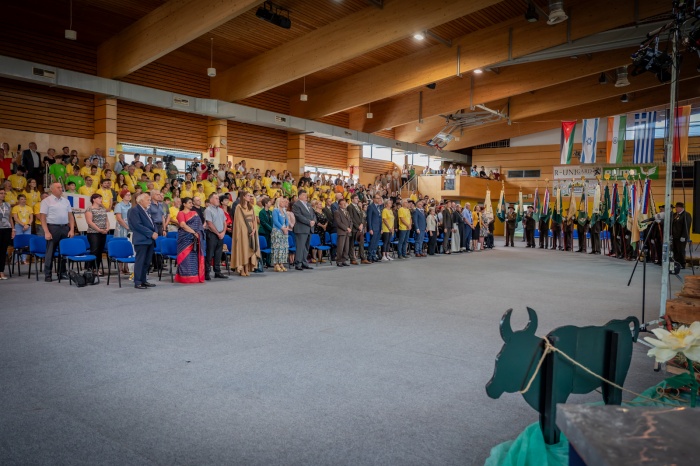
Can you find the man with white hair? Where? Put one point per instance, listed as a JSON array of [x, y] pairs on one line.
[[57, 222], [143, 238]]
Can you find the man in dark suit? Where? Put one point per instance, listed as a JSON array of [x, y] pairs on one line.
[[143, 239], [680, 231], [31, 160], [420, 224], [357, 216], [343, 228], [305, 221], [374, 226], [447, 226], [529, 227]]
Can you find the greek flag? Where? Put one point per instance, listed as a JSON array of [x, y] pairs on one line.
[[589, 140], [644, 126]]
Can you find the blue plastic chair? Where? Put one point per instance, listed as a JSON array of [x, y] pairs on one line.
[[20, 247], [73, 250], [168, 249], [121, 252], [263, 245], [315, 243], [171, 235], [575, 234], [37, 249], [84, 239], [228, 242], [537, 234], [292, 243]]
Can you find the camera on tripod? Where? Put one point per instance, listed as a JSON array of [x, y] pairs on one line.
[[168, 159]]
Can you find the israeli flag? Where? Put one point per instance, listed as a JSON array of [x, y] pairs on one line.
[[589, 140], [644, 126]]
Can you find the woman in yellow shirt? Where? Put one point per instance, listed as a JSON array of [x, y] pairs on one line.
[[32, 193], [387, 230], [22, 214], [37, 219], [266, 180]]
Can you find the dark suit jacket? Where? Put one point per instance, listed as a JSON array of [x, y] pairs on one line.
[[374, 218], [28, 160], [342, 222], [141, 226], [447, 219], [680, 228], [419, 220], [304, 217], [357, 215]]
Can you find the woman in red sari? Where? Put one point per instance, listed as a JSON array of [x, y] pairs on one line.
[[190, 253]]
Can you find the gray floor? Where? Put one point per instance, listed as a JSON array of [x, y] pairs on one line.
[[381, 364]]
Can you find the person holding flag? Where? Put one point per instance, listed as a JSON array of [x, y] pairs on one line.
[[545, 214], [511, 220], [569, 222], [582, 221], [595, 223], [530, 227], [556, 221]]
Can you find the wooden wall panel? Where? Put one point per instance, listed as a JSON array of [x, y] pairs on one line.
[[386, 133], [326, 153], [375, 166], [141, 124], [168, 78], [341, 119], [24, 42], [256, 142], [42, 109], [268, 101]]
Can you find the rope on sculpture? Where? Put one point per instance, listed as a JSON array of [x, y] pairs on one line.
[[549, 348]]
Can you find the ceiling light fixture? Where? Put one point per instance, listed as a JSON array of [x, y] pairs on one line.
[[370, 115], [624, 98], [419, 36], [622, 80], [478, 71], [303, 97], [274, 14], [531, 13], [603, 79], [556, 12], [211, 71], [70, 34]]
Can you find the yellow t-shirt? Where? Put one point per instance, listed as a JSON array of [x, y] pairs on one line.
[[173, 213], [266, 181], [85, 171], [11, 197], [149, 175], [209, 188], [107, 197], [2, 174], [387, 217], [163, 173], [37, 211], [137, 173], [23, 213], [404, 216], [413, 197], [131, 183], [33, 198], [184, 193], [86, 190], [18, 182]]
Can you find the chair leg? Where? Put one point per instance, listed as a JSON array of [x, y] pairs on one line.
[[116, 264], [172, 277], [109, 270]]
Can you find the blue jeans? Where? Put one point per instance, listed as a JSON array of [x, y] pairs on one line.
[[403, 237], [418, 246], [468, 237], [374, 244]]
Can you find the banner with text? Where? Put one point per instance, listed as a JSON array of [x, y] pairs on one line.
[[640, 172], [566, 172]]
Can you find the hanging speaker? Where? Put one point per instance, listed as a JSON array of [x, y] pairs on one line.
[[696, 197]]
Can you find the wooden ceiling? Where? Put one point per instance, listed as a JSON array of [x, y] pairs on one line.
[[386, 67]]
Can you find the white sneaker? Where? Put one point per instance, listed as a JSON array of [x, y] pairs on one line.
[[390, 258], [385, 259]]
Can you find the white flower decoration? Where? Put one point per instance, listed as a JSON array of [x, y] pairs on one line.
[[685, 340]]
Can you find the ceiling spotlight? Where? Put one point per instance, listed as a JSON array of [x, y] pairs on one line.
[[622, 80], [70, 34], [478, 71], [211, 71], [556, 12], [303, 97], [531, 13], [431, 85], [370, 115], [274, 14], [624, 98], [603, 79], [418, 130], [419, 36]]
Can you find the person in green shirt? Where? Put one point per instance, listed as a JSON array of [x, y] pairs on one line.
[[75, 178], [70, 188], [144, 182], [58, 171]]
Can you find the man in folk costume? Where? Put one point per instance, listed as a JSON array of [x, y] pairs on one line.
[[511, 220], [530, 227], [680, 231], [569, 222], [656, 231], [595, 225], [582, 222], [556, 221], [545, 215]]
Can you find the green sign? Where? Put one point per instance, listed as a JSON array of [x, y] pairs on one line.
[[633, 172]]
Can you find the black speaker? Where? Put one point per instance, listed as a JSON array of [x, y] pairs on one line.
[[696, 197]]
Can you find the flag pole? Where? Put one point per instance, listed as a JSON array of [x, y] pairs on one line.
[[669, 167]]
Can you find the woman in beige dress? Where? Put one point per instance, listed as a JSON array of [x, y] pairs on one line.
[[245, 248]]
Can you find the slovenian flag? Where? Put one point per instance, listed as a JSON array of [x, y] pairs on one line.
[[590, 140], [617, 128], [567, 141], [645, 197], [644, 126]]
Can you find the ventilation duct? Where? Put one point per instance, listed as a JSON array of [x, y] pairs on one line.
[[556, 13]]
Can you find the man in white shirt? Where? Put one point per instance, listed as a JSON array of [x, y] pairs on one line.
[[57, 222]]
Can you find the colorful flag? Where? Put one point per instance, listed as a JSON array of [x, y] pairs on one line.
[[519, 208], [680, 137], [583, 209], [624, 207], [536, 206], [545, 203], [501, 214], [595, 216], [644, 126], [617, 127], [77, 201], [605, 207], [614, 205], [589, 140], [567, 140]]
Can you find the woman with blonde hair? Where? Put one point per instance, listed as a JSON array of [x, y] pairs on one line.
[[246, 247], [280, 230]]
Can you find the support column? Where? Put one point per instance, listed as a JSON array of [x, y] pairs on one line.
[[354, 158], [217, 132], [296, 154], [106, 127]]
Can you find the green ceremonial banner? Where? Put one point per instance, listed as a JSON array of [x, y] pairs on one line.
[[643, 171]]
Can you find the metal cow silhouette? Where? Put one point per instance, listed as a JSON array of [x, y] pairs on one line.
[[605, 350]]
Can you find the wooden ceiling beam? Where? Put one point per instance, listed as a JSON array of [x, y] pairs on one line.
[[163, 30], [454, 94], [342, 40], [510, 39]]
